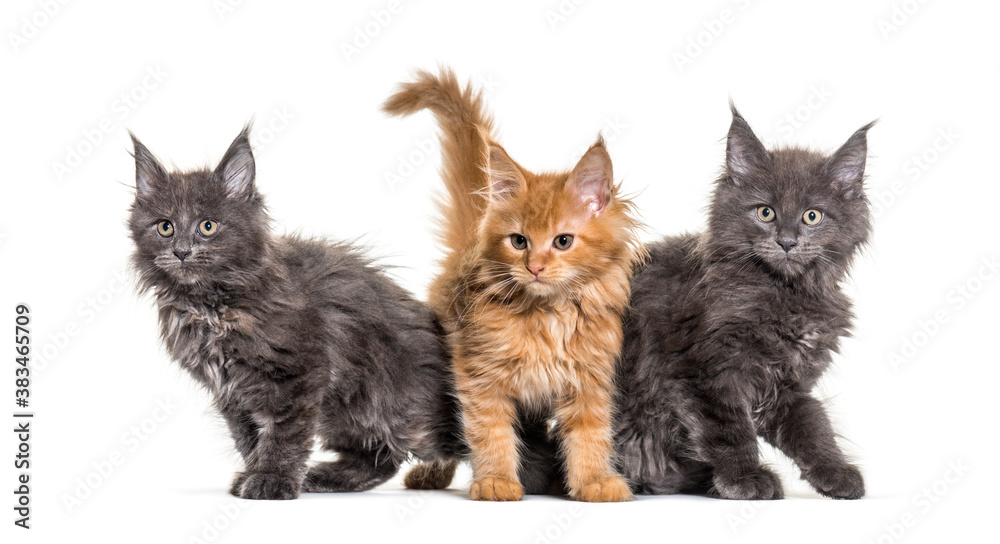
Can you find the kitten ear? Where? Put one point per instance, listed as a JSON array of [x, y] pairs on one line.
[[846, 167], [505, 175], [592, 179], [744, 151], [237, 169], [148, 171]]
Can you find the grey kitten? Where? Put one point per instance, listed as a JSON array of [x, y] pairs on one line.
[[730, 329], [294, 337]]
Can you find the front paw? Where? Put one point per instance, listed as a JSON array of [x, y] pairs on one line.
[[837, 481], [757, 484], [268, 487], [610, 489], [237, 485], [495, 489]]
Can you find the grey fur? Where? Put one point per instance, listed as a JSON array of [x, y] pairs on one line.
[[294, 337], [729, 331]]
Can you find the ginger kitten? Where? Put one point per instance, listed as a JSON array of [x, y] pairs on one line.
[[533, 290]]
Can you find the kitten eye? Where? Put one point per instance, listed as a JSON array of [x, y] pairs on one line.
[[518, 241], [208, 228], [165, 228], [563, 241], [812, 217], [765, 214]]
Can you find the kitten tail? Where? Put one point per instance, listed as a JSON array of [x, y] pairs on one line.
[[465, 128]]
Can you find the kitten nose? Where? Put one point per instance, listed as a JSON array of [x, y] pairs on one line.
[[787, 243], [535, 269], [182, 254]]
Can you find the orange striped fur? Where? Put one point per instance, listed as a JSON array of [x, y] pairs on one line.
[[547, 342]]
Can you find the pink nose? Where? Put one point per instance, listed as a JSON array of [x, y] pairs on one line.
[[536, 269]]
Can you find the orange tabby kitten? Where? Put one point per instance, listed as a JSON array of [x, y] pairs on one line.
[[535, 282]]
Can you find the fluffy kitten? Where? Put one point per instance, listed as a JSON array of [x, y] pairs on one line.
[[730, 329], [535, 282], [294, 337]]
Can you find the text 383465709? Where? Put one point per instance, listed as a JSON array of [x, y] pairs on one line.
[[22, 418]]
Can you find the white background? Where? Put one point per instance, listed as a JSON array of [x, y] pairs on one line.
[[185, 76]]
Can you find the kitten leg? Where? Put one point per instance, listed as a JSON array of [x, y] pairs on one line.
[[489, 418], [802, 430], [277, 466], [726, 439], [352, 471], [244, 432], [585, 425], [434, 475]]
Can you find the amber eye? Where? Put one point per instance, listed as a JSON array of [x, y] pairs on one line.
[[563, 241], [165, 228], [812, 217], [208, 227], [765, 214], [518, 241]]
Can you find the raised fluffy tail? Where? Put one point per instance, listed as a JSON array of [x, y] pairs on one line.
[[465, 127]]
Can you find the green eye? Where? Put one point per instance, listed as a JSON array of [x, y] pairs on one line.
[[765, 214], [563, 241], [518, 241], [165, 228], [208, 228], [812, 217]]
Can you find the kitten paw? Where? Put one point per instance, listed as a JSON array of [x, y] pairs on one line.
[[495, 489], [837, 481], [269, 487], [238, 479], [436, 475], [759, 484], [610, 489]]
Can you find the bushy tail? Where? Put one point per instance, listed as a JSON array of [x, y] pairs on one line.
[[464, 129]]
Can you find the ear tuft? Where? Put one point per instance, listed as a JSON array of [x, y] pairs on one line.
[[505, 175], [237, 169], [592, 179], [846, 167], [744, 151], [148, 171]]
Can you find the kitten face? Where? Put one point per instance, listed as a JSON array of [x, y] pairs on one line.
[[791, 209], [549, 234], [198, 227]]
